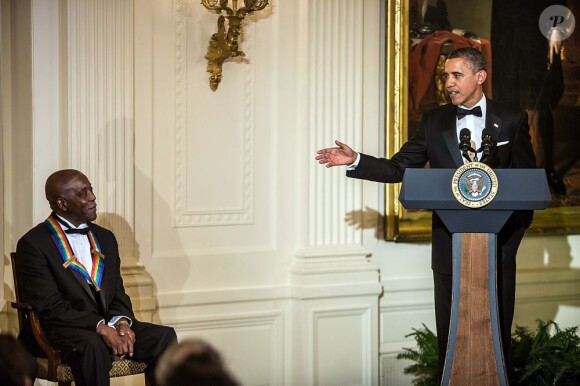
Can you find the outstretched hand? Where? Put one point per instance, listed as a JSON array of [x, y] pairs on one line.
[[335, 156]]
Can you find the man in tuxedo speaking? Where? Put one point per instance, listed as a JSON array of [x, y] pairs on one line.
[[437, 142], [69, 271]]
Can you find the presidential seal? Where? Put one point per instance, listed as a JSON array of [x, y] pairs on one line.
[[474, 184]]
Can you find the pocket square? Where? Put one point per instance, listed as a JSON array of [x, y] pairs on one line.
[[502, 143]]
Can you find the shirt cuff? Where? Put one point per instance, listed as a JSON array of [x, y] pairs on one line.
[[115, 319], [353, 165], [100, 322]]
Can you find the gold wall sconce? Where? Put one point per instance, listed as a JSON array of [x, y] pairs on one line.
[[224, 44]]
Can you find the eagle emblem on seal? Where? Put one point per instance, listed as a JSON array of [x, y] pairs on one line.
[[474, 185]]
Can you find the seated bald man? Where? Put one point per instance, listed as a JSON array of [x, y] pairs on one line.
[[69, 271]]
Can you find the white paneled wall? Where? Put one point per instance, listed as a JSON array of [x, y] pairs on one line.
[[221, 123], [242, 248], [229, 230]]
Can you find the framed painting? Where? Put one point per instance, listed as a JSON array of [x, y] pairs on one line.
[[407, 24]]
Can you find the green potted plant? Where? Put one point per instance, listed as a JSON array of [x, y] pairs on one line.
[[547, 356], [425, 355]]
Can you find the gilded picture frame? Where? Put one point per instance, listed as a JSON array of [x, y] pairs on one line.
[[401, 224]]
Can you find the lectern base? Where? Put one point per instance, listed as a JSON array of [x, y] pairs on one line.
[[474, 353]]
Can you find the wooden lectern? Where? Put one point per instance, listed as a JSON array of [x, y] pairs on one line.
[[474, 353]]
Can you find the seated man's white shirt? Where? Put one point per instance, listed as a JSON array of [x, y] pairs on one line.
[[81, 247]]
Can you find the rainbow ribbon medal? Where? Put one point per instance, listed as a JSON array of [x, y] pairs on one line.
[[70, 260]]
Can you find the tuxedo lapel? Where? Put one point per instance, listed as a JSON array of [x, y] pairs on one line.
[[492, 121], [83, 282], [76, 276], [450, 136]]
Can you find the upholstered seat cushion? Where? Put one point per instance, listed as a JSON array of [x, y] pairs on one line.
[[120, 368]]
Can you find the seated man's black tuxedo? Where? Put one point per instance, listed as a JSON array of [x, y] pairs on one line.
[[436, 142], [69, 310]]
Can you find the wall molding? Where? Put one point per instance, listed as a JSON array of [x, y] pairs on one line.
[[273, 322], [265, 293], [222, 296], [547, 285], [533, 285], [234, 320], [366, 335], [184, 216]]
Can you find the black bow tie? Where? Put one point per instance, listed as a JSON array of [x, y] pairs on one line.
[[82, 231], [67, 229], [461, 112]]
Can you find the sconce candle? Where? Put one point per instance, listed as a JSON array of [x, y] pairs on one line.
[[224, 44]]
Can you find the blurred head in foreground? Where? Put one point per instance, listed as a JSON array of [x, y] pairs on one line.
[[13, 362], [192, 362]]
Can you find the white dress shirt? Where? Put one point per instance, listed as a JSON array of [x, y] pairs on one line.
[[80, 245], [81, 248], [473, 123]]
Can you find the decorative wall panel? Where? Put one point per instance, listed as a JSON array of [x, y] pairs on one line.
[[214, 131], [339, 358], [252, 343]]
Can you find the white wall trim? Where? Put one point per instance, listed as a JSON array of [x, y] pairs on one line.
[[228, 320], [366, 335], [184, 216], [275, 321], [265, 293], [544, 285]]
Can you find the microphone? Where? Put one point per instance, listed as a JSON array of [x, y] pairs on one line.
[[465, 143], [487, 144]]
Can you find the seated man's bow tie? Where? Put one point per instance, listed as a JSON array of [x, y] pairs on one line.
[[82, 231], [461, 112]]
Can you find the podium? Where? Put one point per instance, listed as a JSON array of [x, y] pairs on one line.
[[474, 353]]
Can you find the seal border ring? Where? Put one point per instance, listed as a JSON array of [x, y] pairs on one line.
[[457, 178]]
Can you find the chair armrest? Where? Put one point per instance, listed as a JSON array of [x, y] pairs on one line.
[[27, 315], [52, 353], [21, 306], [23, 311]]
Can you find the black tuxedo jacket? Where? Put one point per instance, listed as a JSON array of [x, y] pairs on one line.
[[62, 297], [436, 142]]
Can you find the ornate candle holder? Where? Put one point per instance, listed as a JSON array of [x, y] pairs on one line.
[[224, 43]]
